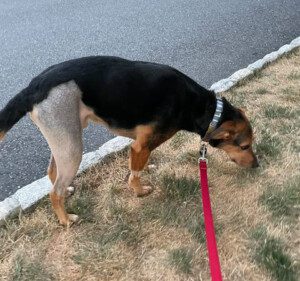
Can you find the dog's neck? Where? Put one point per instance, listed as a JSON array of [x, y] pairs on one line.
[[205, 104]]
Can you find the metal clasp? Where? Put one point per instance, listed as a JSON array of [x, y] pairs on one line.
[[203, 152]]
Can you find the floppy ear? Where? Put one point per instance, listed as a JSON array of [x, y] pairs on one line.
[[242, 111], [224, 132]]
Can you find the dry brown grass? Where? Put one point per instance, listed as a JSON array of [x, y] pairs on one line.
[[160, 237]]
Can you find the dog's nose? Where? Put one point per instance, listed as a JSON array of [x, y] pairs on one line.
[[255, 163]]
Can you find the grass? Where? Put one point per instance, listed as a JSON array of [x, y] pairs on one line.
[[179, 206], [24, 271], [273, 111], [180, 188], [188, 157], [283, 200], [181, 259], [161, 236], [82, 204], [178, 140], [261, 91], [270, 254], [269, 145], [294, 75]]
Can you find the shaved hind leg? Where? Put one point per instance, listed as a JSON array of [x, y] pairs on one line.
[[52, 173], [58, 119], [67, 159]]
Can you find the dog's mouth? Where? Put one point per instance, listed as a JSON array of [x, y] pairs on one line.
[[253, 164]]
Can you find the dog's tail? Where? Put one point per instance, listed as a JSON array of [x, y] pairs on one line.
[[17, 108]]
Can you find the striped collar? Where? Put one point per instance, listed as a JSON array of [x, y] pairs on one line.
[[214, 122]]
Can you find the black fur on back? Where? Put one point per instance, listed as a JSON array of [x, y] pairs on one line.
[[124, 93]]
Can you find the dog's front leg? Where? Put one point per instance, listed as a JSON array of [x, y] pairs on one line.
[[139, 156]]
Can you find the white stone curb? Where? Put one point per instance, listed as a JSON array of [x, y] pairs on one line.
[[226, 84], [30, 194], [33, 192]]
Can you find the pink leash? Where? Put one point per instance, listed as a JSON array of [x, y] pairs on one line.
[[214, 263]]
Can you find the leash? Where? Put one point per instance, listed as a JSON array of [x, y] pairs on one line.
[[214, 263]]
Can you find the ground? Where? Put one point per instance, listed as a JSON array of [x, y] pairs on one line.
[[161, 237]]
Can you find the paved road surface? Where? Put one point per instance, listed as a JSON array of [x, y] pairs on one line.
[[207, 40]]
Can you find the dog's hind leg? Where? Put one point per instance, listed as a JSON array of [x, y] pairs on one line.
[[58, 119], [67, 166], [52, 173], [52, 170]]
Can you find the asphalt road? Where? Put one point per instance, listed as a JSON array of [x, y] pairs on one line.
[[208, 40]]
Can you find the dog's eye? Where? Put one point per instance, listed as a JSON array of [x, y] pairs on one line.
[[244, 147]]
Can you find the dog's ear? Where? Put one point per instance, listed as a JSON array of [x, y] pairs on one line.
[[224, 132], [242, 111]]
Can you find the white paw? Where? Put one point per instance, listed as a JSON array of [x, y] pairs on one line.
[[70, 190], [73, 217]]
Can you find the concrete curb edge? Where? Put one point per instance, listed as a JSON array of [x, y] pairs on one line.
[[30, 194], [225, 84]]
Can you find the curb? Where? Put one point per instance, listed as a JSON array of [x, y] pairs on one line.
[[24, 198], [225, 84]]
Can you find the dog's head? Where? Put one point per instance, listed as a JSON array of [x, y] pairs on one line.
[[235, 137]]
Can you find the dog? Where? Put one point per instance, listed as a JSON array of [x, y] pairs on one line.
[[145, 101]]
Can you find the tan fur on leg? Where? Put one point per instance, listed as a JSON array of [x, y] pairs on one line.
[[139, 155], [52, 170], [138, 158], [135, 184], [2, 134], [58, 206], [59, 209]]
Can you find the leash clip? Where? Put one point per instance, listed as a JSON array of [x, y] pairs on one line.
[[203, 152]]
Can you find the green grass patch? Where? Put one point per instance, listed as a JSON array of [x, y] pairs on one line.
[[181, 187], [261, 91], [179, 139], [270, 254], [289, 91], [181, 259], [247, 175], [283, 200], [178, 206], [274, 111], [124, 226], [122, 230], [188, 157], [238, 98], [82, 204], [26, 270], [287, 128], [294, 76], [268, 146]]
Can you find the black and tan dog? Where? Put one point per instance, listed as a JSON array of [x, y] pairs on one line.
[[145, 101]]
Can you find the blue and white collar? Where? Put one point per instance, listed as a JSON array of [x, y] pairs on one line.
[[216, 118]]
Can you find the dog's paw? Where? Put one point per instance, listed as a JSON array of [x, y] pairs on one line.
[[72, 218], [145, 190], [70, 191]]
